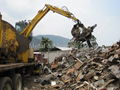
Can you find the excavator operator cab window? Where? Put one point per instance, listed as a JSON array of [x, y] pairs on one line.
[[17, 27], [20, 26]]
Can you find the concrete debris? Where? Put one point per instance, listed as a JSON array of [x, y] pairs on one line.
[[92, 69], [115, 70], [53, 83]]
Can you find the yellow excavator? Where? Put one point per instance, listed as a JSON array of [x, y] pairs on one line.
[[14, 45]]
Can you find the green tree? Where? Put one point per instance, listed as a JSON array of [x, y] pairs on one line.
[[45, 44]]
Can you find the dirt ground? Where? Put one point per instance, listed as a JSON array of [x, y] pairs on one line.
[[31, 83]]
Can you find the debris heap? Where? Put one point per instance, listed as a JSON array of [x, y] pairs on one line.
[[85, 69]]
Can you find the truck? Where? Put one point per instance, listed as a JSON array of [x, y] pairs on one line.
[[16, 57]]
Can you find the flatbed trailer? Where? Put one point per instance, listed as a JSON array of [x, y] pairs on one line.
[[5, 67], [11, 75]]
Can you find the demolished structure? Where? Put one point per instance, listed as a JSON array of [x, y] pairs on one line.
[[84, 69]]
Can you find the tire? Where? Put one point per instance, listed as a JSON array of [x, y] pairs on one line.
[[6, 83], [17, 82]]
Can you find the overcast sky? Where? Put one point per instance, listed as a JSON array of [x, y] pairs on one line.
[[104, 13]]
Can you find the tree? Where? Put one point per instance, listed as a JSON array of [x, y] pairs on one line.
[[45, 44]]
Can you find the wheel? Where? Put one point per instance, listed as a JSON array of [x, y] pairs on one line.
[[17, 82], [6, 83]]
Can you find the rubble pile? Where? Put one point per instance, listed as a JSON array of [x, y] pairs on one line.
[[85, 69]]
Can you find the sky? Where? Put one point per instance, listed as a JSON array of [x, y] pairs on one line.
[[104, 13]]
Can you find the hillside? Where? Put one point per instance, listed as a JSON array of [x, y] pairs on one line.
[[57, 40]]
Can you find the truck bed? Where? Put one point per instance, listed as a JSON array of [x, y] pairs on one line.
[[4, 67]]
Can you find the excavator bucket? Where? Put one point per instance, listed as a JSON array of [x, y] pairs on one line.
[[81, 33], [76, 30]]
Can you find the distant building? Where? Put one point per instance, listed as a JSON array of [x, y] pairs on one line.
[[51, 55], [64, 48]]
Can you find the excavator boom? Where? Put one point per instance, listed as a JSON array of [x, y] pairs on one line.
[[27, 31]]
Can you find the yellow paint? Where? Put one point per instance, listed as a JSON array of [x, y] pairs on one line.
[[24, 56], [0, 33], [27, 31], [8, 37]]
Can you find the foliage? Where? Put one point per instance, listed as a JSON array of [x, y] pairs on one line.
[[46, 44]]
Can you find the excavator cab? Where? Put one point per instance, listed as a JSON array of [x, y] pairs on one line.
[[76, 30], [20, 26]]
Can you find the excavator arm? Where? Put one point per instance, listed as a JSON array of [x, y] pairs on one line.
[[27, 31]]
